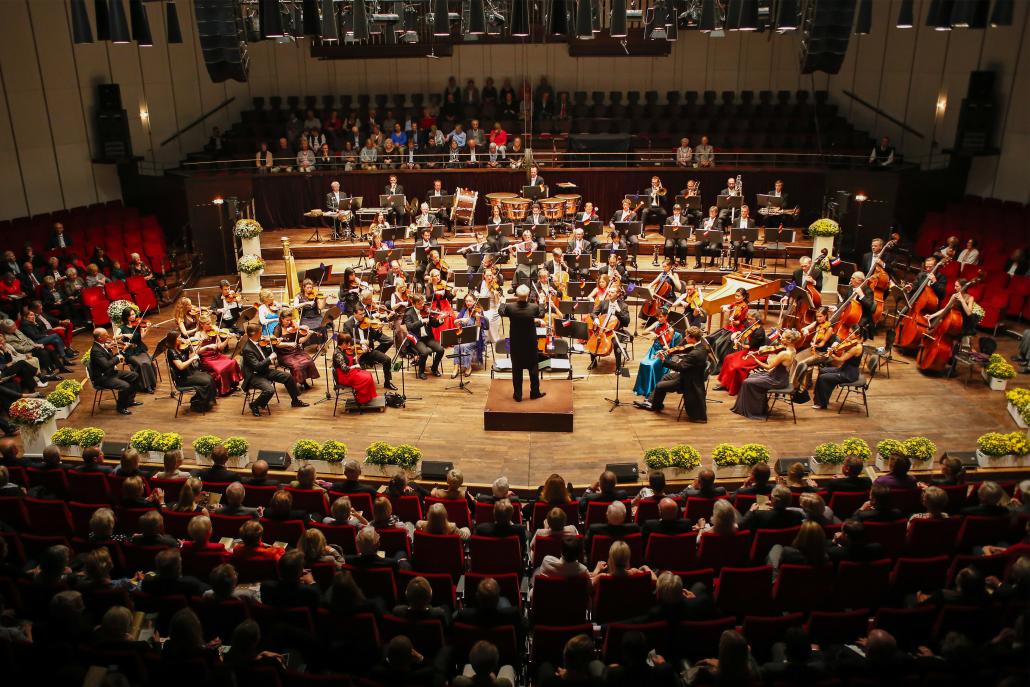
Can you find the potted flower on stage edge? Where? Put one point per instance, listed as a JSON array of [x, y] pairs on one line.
[[36, 418], [684, 462], [1019, 447], [205, 444], [386, 461], [827, 458], [920, 450], [65, 439], [306, 450], [238, 449], [145, 441], [65, 397], [88, 437], [1019, 406], [997, 372], [993, 451], [334, 453], [727, 461]]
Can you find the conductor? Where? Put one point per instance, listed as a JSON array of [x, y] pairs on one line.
[[522, 347]]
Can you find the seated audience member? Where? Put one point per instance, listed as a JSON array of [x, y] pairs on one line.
[[96, 573], [794, 661], [245, 652], [555, 525], [935, 500], [758, 482], [704, 486], [850, 479], [218, 472], [315, 549], [674, 604], [93, 461], [655, 489], [952, 473], [280, 507], [129, 465], [191, 498], [367, 544], [345, 597], [499, 489], [881, 662], [898, 477], [970, 589], [199, 529], [51, 460], [491, 609], [101, 528], [172, 463], [383, 517], [7, 487], [295, 586], [437, 522], [814, 509], [669, 520], [252, 546], [151, 531], [259, 475], [878, 508], [850, 544], [133, 489], [502, 526], [454, 489], [808, 548], [342, 513], [186, 641], [570, 564], [114, 633], [603, 490], [232, 502], [418, 596], [990, 495], [639, 666], [618, 564], [168, 579], [615, 525], [776, 514], [402, 665], [797, 481], [484, 669], [351, 483], [724, 520], [579, 668], [307, 478], [733, 666]]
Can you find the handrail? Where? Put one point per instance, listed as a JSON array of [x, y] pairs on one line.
[[883, 114], [192, 124]]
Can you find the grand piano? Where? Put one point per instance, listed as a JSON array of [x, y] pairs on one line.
[[758, 288]]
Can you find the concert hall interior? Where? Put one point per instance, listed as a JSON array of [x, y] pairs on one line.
[[764, 263]]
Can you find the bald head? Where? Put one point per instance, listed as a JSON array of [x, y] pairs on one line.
[[668, 509], [259, 470]]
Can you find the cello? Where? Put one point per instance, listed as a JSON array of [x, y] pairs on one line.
[[939, 340], [912, 324], [802, 309], [849, 313], [602, 334], [660, 295], [881, 282]]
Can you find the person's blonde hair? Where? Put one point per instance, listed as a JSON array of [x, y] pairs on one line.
[[99, 564], [724, 515], [812, 505], [199, 529], [132, 487], [101, 523], [265, 294], [436, 520], [382, 509], [188, 494], [172, 460], [669, 588], [455, 479], [618, 557], [312, 544], [935, 499], [341, 510], [811, 542]]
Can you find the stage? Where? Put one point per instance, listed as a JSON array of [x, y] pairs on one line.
[[552, 413], [448, 424]]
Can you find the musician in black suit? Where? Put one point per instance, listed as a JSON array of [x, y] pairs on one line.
[[226, 306], [864, 295], [442, 215], [655, 212], [708, 246], [870, 261], [373, 341], [939, 285], [627, 214], [578, 244], [612, 306], [524, 272], [103, 372], [333, 200], [801, 278], [688, 378], [743, 249], [524, 317], [394, 189], [676, 250], [420, 322], [731, 190], [534, 177], [426, 241], [184, 365], [258, 373], [535, 216]]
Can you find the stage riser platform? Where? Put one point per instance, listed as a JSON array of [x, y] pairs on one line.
[[553, 413]]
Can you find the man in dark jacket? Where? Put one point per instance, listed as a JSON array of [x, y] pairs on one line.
[[502, 526], [294, 588], [758, 481], [367, 544], [669, 520], [350, 483], [232, 504], [989, 494], [169, 580], [704, 486], [259, 374], [218, 472], [491, 609], [689, 371], [604, 490], [775, 515], [878, 508], [615, 525], [853, 480], [103, 373], [850, 544], [259, 475], [92, 461], [522, 345]]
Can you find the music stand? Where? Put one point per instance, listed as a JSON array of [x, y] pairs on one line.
[[541, 232], [578, 263], [689, 203], [676, 232], [603, 253], [627, 229], [738, 237], [473, 260], [318, 274], [780, 238], [622, 371], [572, 330], [467, 280], [455, 337], [533, 192], [768, 201], [714, 237], [393, 233], [395, 202], [637, 198], [732, 203], [531, 258], [440, 202], [579, 289], [592, 228], [388, 254]]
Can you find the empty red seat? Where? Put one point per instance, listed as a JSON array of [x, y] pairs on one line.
[[676, 552], [928, 537], [827, 628], [376, 583], [407, 508], [142, 294], [309, 500], [860, 584], [622, 597], [339, 535], [442, 553], [718, 550], [88, 487], [890, 535], [116, 290], [656, 634], [766, 539], [909, 626], [258, 496], [740, 591], [540, 511], [49, 517], [560, 600], [227, 525], [801, 587], [919, 574], [289, 531], [601, 544], [177, 522], [495, 554], [361, 501], [426, 636], [844, 503], [978, 530]]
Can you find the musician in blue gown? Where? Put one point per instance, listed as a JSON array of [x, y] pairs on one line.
[[652, 368]]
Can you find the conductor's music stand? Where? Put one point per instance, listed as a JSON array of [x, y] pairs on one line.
[[455, 337]]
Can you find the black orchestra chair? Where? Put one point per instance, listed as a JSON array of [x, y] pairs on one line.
[[861, 385], [785, 394], [250, 395], [98, 394]]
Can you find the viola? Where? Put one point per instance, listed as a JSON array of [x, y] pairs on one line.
[[269, 341], [744, 336], [370, 323]]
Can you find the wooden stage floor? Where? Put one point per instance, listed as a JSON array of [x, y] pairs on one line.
[[448, 424]]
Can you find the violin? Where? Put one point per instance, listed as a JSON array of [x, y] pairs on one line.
[[844, 344], [767, 351], [296, 328], [231, 297], [215, 333], [745, 335], [269, 341], [371, 323]]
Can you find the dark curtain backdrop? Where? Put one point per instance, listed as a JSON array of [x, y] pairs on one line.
[[282, 200]]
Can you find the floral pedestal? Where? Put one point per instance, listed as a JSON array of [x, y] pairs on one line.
[[986, 461], [65, 413], [250, 284], [994, 383], [387, 470], [155, 457], [829, 280], [75, 451], [1017, 417], [239, 461], [35, 438]]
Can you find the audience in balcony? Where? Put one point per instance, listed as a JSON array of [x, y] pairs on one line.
[[882, 154], [704, 154]]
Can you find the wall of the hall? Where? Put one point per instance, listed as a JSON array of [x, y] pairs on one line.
[[48, 89]]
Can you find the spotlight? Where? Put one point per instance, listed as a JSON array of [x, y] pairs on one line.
[[584, 23], [906, 15], [1001, 15], [81, 31], [560, 17], [520, 18], [477, 18], [218, 200], [962, 13], [103, 20], [119, 27], [708, 18], [787, 15], [327, 24], [861, 197], [864, 23], [441, 19], [360, 21], [140, 23], [172, 23], [748, 15], [271, 19]]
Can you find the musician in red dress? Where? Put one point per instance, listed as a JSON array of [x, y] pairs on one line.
[[441, 294], [737, 366], [347, 371], [734, 320]]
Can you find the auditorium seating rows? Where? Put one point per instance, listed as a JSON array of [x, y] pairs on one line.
[[999, 228]]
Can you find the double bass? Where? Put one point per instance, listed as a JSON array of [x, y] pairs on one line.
[[912, 324], [939, 340], [849, 313], [802, 310], [881, 282]]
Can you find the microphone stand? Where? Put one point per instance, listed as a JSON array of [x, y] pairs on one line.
[[324, 352], [618, 376]]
